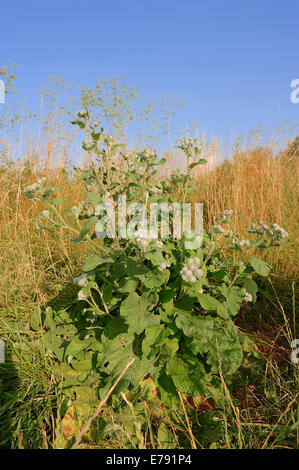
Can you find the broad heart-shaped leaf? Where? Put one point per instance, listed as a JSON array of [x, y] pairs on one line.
[[167, 311], [128, 285], [116, 355], [84, 364], [198, 329], [156, 279], [61, 321], [140, 369], [107, 290], [168, 349], [154, 337], [36, 319], [135, 269], [188, 374], [251, 287], [234, 300], [116, 352], [208, 302], [167, 294], [114, 327], [192, 244], [86, 400], [88, 225], [77, 347], [194, 325], [225, 348], [54, 344], [66, 373], [157, 342], [136, 311], [93, 260], [186, 303], [155, 256], [93, 198], [169, 394], [117, 349], [202, 161], [166, 438], [260, 266]]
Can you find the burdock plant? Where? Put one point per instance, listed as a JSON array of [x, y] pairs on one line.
[[167, 304]]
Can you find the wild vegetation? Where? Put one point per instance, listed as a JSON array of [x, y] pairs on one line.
[[137, 343]]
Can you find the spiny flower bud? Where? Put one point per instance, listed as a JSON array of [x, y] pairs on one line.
[[81, 113], [244, 243], [280, 231], [218, 229], [164, 265], [247, 297], [81, 295], [198, 273], [46, 215], [226, 213], [81, 281], [191, 272]]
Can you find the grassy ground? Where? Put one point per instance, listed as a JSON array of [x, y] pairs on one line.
[[258, 408]]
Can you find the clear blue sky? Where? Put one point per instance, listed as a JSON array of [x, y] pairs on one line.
[[233, 60]]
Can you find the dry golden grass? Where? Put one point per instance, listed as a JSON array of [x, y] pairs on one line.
[[258, 187], [32, 260]]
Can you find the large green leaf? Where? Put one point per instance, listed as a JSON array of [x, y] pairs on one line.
[[116, 353], [166, 438], [167, 311], [77, 347], [202, 161], [188, 374], [157, 343], [251, 287], [169, 394], [88, 225], [84, 364], [154, 337], [128, 285], [54, 344], [197, 329], [135, 269], [115, 326], [155, 256], [136, 311], [225, 349], [93, 198], [234, 300], [168, 349], [260, 267], [167, 294], [208, 302], [67, 374], [156, 279], [194, 325], [93, 260]]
